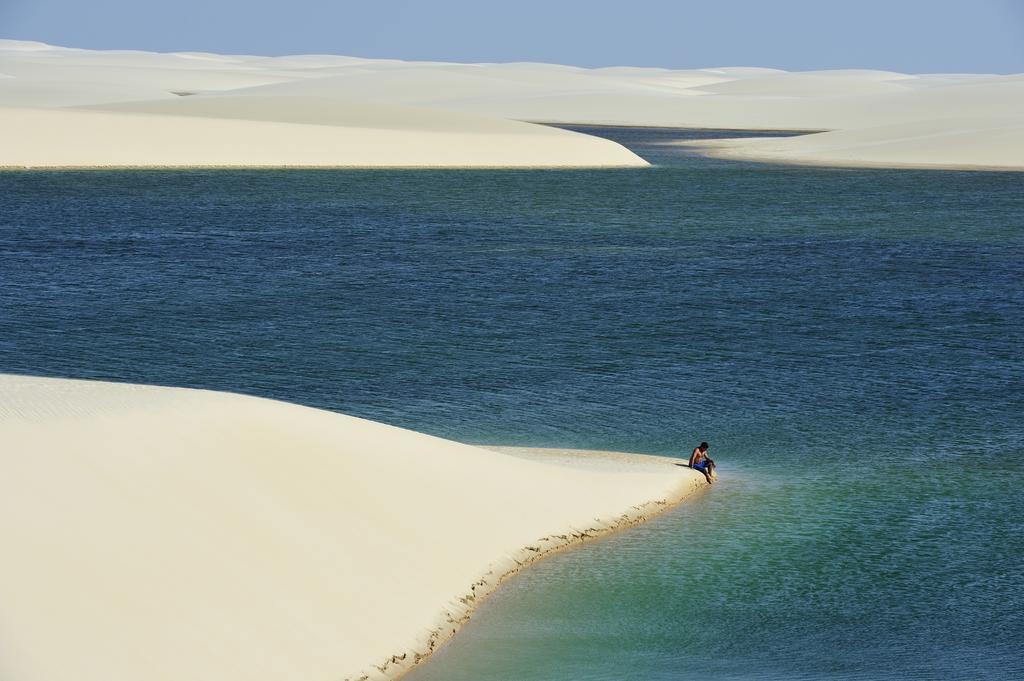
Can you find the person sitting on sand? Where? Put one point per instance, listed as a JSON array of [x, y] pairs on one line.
[[700, 461]]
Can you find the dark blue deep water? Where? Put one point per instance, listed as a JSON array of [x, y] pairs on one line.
[[851, 342]]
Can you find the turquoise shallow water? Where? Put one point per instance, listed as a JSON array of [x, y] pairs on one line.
[[849, 341]]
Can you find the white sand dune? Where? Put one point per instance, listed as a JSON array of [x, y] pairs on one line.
[[319, 88], [161, 533]]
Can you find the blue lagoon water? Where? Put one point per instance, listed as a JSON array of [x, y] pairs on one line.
[[849, 341]]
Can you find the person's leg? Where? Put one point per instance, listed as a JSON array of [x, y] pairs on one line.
[[703, 468]]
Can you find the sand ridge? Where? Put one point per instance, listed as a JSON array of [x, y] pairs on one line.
[[168, 533]]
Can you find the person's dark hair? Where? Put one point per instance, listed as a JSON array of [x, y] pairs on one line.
[[703, 446]]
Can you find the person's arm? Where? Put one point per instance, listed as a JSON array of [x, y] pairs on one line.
[[693, 456]]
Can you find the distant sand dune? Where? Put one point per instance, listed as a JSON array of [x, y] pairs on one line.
[[352, 94], [162, 533]]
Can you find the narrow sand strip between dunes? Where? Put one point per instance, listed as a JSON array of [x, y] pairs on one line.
[[980, 144], [164, 533]]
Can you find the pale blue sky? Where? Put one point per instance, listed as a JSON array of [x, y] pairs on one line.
[[904, 35]]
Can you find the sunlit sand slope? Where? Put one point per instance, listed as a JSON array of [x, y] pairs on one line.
[[66, 138]]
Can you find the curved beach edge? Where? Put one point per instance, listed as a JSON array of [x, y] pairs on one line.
[[452, 620]]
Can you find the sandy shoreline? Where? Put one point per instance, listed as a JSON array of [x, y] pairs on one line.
[[171, 533], [397, 665]]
